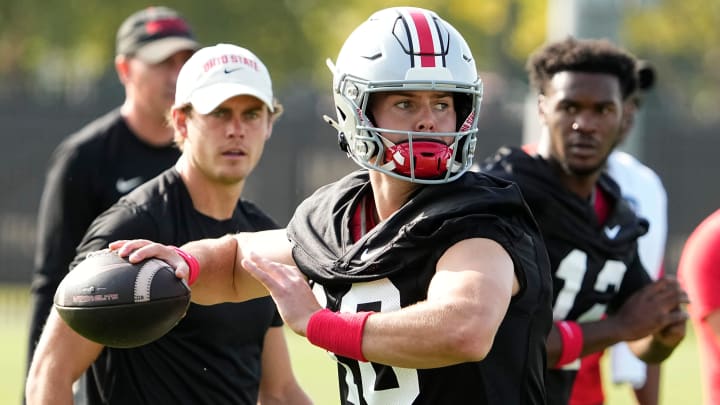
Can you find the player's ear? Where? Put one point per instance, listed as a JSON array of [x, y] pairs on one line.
[[541, 107], [122, 67], [274, 115], [269, 130], [179, 120]]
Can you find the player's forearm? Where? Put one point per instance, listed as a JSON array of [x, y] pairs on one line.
[[220, 279], [596, 336], [599, 335], [457, 322], [43, 389], [651, 350], [427, 335]]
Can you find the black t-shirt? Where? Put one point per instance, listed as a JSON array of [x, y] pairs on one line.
[[213, 355], [391, 266], [89, 171], [595, 266]]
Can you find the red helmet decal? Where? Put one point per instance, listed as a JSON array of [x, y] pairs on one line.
[[422, 38], [427, 48]]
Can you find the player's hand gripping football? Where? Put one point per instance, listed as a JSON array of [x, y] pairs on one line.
[[137, 250], [288, 287]]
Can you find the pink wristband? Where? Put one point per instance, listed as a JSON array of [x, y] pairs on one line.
[[572, 342], [192, 263], [338, 332]]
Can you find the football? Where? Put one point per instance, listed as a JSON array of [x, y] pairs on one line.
[[119, 304]]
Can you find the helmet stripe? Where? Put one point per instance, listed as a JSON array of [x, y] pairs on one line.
[[425, 39]]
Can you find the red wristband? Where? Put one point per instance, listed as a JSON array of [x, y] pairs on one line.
[[338, 332], [192, 263], [572, 342]]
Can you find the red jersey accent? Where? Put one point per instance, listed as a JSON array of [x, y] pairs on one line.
[[602, 206], [427, 48], [356, 225], [587, 389]]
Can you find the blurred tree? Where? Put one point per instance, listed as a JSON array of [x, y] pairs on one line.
[[682, 38], [59, 45], [64, 46]]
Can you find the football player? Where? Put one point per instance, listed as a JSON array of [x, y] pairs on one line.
[[429, 284], [590, 232], [642, 188]]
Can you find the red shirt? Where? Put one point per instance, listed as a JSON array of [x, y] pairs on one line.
[[699, 274]]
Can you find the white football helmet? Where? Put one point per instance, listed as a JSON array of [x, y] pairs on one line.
[[406, 48]]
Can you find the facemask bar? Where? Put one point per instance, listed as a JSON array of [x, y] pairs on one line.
[[366, 144]]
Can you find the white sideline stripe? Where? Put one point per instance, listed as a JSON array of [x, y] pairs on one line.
[[144, 278]]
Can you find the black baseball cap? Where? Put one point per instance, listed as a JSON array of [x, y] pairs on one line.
[[154, 34]]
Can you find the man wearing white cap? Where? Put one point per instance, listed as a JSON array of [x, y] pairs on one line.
[[231, 353], [113, 154]]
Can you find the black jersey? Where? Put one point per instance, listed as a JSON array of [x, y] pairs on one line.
[[391, 266], [213, 355], [89, 171], [595, 266]]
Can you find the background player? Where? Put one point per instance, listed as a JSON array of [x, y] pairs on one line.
[[699, 273], [227, 353], [110, 156], [642, 188], [590, 232], [391, 250]]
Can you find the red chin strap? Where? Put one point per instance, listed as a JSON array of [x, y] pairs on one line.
[[431, 158]]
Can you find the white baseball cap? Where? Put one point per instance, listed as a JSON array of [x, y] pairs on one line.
[[216, 73]]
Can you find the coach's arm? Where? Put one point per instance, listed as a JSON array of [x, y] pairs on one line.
[[61, 357]]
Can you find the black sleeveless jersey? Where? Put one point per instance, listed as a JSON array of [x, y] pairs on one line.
[[391, 266], [595, 266], [213, 355]]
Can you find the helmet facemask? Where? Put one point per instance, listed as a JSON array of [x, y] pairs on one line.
[[366, 67]]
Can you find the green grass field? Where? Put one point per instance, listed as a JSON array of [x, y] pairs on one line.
[[315, 370]]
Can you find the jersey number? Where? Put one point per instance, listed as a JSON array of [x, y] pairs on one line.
[[572, 271], [381, 384]]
